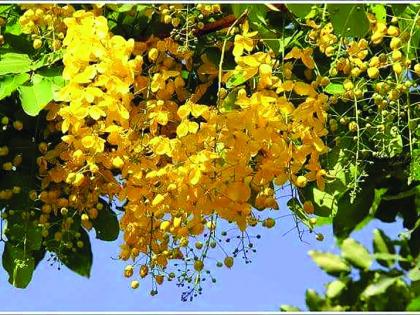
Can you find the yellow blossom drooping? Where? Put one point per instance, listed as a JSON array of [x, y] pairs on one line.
[[134, 130]]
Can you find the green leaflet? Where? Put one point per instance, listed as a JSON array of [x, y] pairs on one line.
[[36, 96], [334, 89], [18, 265], [356, 254], [9, 83], [349, 19], [330, 263], [106, 224], [14, 63]]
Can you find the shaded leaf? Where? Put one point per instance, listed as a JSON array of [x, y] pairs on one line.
[[382, 244], [406, 24], [349, 215], [415, 165], [256, 12], [313, 300], [81, 260], [18, 265], [399, 8], [301, 10], [229, 102], [106, 224]]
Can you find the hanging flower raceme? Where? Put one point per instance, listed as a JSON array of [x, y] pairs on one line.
[[134, 130]]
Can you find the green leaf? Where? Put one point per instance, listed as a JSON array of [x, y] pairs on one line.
[[377, 198], [106, 224], [19, 43], [81, 260], [414, 305], [379, 287], [271, 39], [414, 274], [9, 83], [53, 75], [256, 12], [407, 23], [22, 273], [325, 202], [382, 244], [14, 63], [26, 234], [48, 59], [13, 29], [18, 265], [289, 308], [334, 288], [5, 7], [321, 221], [349, 19], [389, 257], [36, 96], [415, 165], [125, 7], [185, 74], [301, 10], [236, 79], [356, 254], [330, 263], [334, 88], [380, 12]]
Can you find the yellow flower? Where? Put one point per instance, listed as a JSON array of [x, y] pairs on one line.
[[244, 41], [186, 127], [305, 55], [195, 110]]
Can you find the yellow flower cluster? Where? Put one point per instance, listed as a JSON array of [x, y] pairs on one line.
[[44, 22], [356, 60], [323, 37], [95, 118], [157, 126], [133, 130]]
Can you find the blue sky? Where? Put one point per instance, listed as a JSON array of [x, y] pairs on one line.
[[279, 274]]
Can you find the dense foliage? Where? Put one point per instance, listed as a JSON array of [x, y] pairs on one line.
[[187, 121], [378, 281]]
